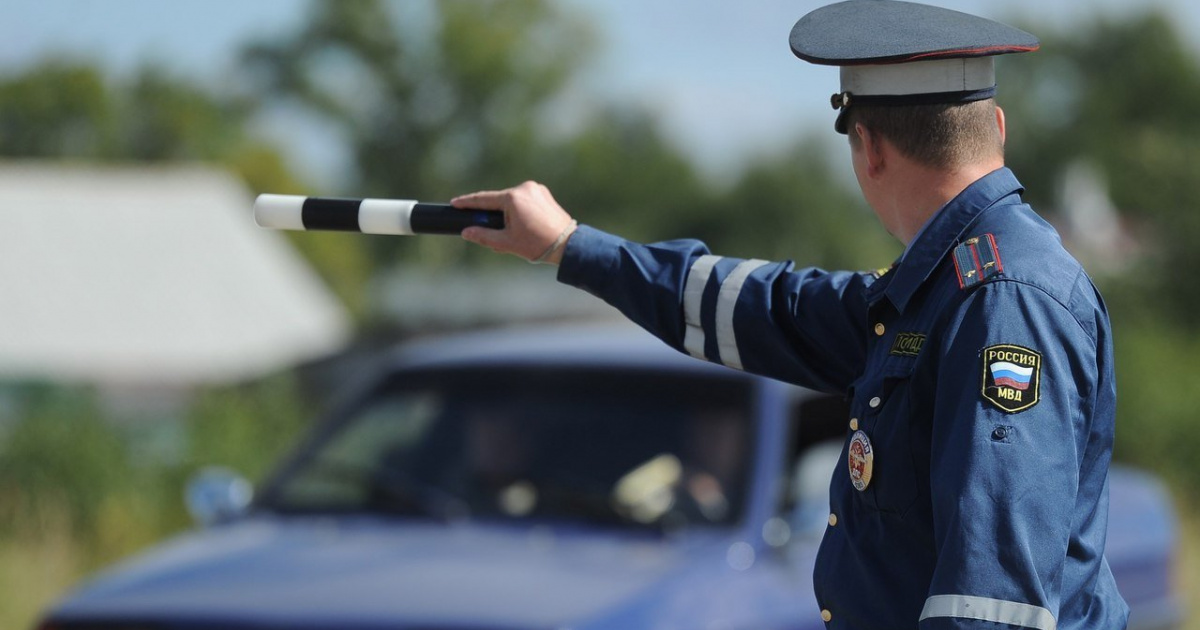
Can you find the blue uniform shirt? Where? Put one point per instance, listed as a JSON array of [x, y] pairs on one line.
[[980, 379]]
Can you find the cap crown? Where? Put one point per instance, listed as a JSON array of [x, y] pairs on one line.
[[890, 31]]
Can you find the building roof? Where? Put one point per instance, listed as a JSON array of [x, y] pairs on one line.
[[146, 275]]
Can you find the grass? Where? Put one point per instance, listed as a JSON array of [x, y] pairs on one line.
[[77, 494], [1187, 572], [38, 561]]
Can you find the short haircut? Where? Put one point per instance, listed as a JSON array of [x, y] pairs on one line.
[[938, 136]]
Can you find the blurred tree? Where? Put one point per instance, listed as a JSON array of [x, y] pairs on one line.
[[1120, 95], [57, 109], [434, 99], [166, 119], [621, 174], [429, 95], [796, 207], [60, 452], [61, 109]]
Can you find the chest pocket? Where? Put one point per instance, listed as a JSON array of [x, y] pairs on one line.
[[893, 487]]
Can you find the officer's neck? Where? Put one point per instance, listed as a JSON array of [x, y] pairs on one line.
[[918, 192]]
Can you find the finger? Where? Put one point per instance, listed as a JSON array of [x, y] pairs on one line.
[[483, 200], [484, 237]]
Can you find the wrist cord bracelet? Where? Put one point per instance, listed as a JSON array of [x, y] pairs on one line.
[[558, 242]]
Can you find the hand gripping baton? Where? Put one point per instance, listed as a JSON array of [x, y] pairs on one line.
[[369, 216]]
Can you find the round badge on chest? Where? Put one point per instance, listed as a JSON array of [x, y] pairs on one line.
[[862, 459]]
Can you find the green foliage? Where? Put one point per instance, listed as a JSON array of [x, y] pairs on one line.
[[161, 118], [436, 99], [61, 452], [620, 173], [68, 450], [1157, 419], [77, 493], [246, 428], [793, 208], [433, 99], [1121, 95], [62, 109], [57, 109]]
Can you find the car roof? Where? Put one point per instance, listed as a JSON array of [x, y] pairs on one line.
[[577, 345]]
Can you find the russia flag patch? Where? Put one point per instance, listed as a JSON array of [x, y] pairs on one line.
[[1011, 377]]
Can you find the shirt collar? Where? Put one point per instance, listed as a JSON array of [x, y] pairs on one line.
[[941, 233]]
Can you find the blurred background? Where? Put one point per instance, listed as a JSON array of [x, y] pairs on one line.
[[148, 329]]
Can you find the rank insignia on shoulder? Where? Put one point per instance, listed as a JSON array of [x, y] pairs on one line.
[[977, 259], [1012, 377]]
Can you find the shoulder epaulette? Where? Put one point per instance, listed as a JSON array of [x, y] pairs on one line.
[[977, 259]]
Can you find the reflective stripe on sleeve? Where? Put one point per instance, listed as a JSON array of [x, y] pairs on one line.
[[693, 296], [727, 300], [987, 609]]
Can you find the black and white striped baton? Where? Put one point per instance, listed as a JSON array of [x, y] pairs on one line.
[[369, 216]]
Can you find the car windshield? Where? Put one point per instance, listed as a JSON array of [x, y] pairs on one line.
[[638, 448]]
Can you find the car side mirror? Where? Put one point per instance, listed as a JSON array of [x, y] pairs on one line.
[[216, 495]]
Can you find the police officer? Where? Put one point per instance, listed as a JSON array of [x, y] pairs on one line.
[[972, 488]]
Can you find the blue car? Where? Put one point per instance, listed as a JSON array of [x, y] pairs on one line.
[[579, 478]]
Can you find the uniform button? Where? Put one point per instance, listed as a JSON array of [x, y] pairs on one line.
[[833, 520], [879, 329], [826, 616], [853, 424], [875, 402]]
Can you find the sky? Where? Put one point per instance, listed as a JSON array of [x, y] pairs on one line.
[[718, 71]]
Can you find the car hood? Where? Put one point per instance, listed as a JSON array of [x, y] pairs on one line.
[[315, 572]]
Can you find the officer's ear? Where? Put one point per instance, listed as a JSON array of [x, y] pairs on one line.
[[871, 145], [1000, 124]]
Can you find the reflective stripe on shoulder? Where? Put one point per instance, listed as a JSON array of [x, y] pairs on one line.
[[693, 296], [727, 300], [987, 609]]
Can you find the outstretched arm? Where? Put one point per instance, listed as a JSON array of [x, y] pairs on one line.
[[803, 326]]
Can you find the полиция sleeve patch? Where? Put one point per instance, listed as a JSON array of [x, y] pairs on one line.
[[1012, 377]]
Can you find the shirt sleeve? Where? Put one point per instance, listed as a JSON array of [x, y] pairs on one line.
[[1016, 374], [802, 326]]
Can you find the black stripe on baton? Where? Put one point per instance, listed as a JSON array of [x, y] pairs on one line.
[[320, 213], [440, 218]]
